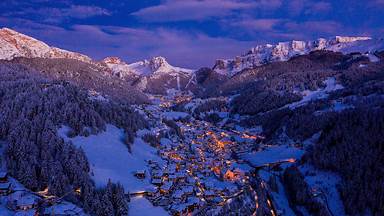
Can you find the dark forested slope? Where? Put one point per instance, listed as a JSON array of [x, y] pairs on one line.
[[85, 75], [32, 109]]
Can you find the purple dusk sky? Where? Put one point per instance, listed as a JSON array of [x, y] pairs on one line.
[[190, 33]]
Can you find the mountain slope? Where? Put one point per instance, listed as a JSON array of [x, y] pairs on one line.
[[14, 44], [84, 75], [283, 51]]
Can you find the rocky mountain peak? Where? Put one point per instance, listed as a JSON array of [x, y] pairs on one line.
[[158, 62], [113, 60], [346, 39], [14, 44], [283, 51]]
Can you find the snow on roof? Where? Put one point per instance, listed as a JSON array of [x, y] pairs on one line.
[[209, 193], [179, 207], [156, 181], [178, 194], [24, 198], [214, 184], [64, 208], [3, 174], [167, 186], [31, 212], [187, 189], [5, 185]]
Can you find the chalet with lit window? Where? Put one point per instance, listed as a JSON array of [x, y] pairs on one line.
[[21, 200], [156, 181], [140, 174], [166, 188], [5, 188], [3, 177]]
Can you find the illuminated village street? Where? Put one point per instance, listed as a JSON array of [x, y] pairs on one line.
[[204, 169]]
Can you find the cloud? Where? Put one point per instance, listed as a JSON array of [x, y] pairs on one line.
[[324, 27], [308, 7], [257, 24], [181, 48], [321, 7], [84, 11], [197, 10], [377, 3], [58, 15]]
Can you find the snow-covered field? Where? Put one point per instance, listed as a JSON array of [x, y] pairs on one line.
[[273, 154], [109, 158], [139, 206]]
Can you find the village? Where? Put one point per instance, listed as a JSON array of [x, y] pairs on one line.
[[203, 169], [15, 199]]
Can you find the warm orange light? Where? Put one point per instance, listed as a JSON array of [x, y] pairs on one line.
[[78, 191], [230, 175], [291, 160], [216, 170], [223, 134]]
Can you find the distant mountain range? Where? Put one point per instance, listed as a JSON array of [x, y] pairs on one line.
[[283, 51], [14, 44], [157, 76]]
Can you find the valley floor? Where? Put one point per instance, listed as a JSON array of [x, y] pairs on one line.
[[207, 169]]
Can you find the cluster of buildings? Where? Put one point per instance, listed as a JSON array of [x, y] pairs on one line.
[[15, 199], [201, 170]]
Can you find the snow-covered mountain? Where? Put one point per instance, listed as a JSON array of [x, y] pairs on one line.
[[154, 75], [155, 66], [283, 51], [14, 44]]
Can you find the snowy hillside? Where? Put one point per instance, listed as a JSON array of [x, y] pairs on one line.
[[110, 158], [283, 51]]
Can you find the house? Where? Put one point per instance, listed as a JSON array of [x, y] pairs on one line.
[[193, 203], [179, 209], [178, 196], [157, 181], [5, 188], [162, 201], [209, 194], [140, 174], [157, 174], [172, 177], [218, 200], [165, 188], [181, 177], [188, 190], [21, 200], [3, 177], [151, 191]]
